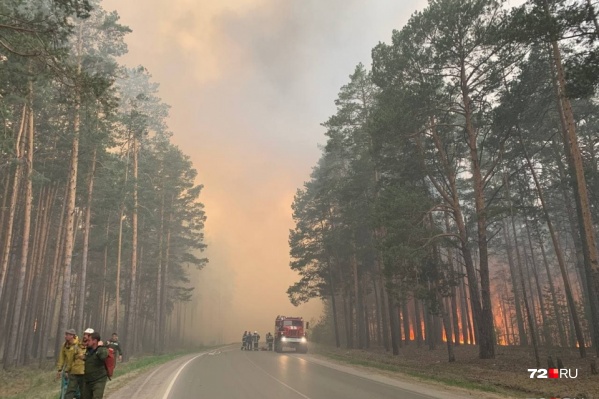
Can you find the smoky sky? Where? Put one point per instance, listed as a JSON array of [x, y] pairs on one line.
[[249, 83]]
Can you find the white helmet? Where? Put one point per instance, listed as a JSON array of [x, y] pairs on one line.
[[89, 331]]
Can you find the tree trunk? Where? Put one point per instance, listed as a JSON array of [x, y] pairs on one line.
[[531, 323], [384, 299], [406, 322], [393, 317], [359, 304], [485, 336], [33, 272], [6, 251], [559, 254], [365, 314], [454, 304], [117, 300], [530, 315], [377, 311], [333, 304], [4, 209], [347, 322], [165, 272], [560, 324], [158, 347], [130, 329], [590, 301], [88, 212], [19, 315], [53, 289], [39, 290], [574, 157], [104, 297], [504, 317], [430, 333], [452, 199], [523, 338], [71, 196], [446, 325], [417, 323], [546, 335]]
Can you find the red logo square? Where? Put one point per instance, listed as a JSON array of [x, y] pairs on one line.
[[553, 373]]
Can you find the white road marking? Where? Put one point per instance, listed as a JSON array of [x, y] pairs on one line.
[[170, 386], [277, 380]]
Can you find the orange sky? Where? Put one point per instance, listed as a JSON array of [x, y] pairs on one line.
[[249, 82]]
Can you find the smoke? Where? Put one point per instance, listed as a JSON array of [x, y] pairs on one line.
[[249, 83]]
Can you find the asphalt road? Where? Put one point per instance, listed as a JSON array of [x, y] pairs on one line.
[[235, 374]]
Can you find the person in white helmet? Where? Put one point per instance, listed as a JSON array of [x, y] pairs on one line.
[[86, 335], [256, 339]]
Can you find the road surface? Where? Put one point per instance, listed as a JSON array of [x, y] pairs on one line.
[[229, 373]]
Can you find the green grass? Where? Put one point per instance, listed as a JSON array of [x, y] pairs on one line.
[[39, 383], [456, 382]]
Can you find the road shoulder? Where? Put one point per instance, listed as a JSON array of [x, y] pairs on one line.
[[425, 386], [152, 383]]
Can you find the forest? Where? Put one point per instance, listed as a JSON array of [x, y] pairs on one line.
[[100, 220], [455, 201]]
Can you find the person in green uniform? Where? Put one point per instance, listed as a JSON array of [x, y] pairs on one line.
[[70, 361], [116, 346], [95, 376]]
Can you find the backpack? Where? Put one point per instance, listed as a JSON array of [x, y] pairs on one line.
[[109, 363]]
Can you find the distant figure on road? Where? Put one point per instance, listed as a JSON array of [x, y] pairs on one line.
[[256, 339], [269, 340], [244, 339], [248, 341], [115, 345], [95, 371]]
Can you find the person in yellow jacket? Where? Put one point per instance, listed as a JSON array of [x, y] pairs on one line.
[[72, 360]]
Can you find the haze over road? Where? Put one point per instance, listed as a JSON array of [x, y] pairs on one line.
[[231, 373]]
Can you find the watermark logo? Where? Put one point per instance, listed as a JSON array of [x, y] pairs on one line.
[[553, 373]]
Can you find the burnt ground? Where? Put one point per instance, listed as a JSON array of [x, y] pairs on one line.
[[507, 374]]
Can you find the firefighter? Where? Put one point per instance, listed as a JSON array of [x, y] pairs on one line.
[[244, 340], [256, 339], [249, 341], [269, 340]]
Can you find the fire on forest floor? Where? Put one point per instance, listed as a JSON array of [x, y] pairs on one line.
[[506, 374]]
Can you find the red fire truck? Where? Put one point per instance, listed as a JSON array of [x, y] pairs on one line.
[[290, 333]]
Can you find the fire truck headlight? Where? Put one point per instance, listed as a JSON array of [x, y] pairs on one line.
[[283, 339], [303, 339]]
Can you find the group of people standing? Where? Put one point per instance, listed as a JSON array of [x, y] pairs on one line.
[[250, 341], [82, 363]]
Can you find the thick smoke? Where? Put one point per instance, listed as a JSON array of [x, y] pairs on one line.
[[249, 83]]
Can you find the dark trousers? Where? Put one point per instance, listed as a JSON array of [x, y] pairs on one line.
[[76, 384], [94, 389]]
